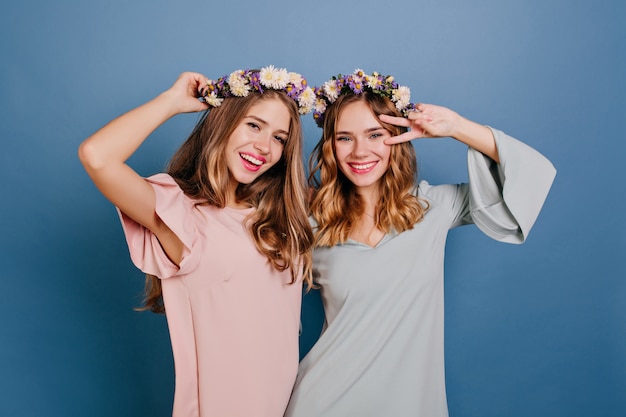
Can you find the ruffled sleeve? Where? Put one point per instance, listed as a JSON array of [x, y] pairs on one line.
[[506, 198], [178, 212]]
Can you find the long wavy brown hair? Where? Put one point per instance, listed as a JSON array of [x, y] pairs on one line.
[[336, 206], [279, 226]]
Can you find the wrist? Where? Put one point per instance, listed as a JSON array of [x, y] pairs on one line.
[[461, 127], [168, 104]]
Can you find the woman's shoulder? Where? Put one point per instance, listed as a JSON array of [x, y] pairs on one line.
[[162, 179], [442, 195], [429, 191], [168, 190]]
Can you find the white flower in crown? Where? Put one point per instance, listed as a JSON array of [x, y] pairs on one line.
[[275, 78], [305, 109], [373, 81], [320, 106], [238, 83], [295, 79], [267, 76], [359, 73], [236, 78], [306, 100], [282, 78], [331, 90], [240, 89], [213, 100], [402, 97]]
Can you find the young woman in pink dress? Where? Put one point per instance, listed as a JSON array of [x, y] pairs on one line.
[[223, 235]]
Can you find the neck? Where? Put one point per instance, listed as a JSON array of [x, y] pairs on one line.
[[369, 199], [231, 193]]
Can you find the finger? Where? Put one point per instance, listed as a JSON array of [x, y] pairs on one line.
[[196, 80], [203, 86], [394, 120], [404, 137]]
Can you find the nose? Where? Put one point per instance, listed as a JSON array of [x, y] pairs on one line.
[[263, 143], [360, 148]]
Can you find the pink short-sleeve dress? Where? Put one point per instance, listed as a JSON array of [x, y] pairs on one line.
[[233, 319]]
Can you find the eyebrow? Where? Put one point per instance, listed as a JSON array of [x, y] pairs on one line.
[[369, 130], [264, 123]]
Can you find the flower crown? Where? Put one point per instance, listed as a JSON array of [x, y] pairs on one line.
[[241, 82], [358, 83]]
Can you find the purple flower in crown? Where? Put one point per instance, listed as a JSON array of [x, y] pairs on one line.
[[355, 84], [220, 87], [211, 86], [255, 81], [292, 90]]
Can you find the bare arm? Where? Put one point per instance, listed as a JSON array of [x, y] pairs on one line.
[[432, 121], [104, 156]]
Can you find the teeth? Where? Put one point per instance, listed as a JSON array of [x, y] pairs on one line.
[[363, 166], [251, 159]]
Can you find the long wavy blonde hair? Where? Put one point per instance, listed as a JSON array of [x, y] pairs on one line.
[[336, 206], [279, 226]]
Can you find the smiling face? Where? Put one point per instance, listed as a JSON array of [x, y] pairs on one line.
[[361, 154], [257, 142]]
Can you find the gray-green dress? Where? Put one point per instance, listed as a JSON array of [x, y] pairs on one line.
[[381, 352]]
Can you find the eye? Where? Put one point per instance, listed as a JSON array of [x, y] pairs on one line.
[[375, 135], [281, 139], [343, 138], [254, 125]]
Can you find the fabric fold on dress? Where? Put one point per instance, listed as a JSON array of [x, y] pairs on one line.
[[145, 250], [506, 198]]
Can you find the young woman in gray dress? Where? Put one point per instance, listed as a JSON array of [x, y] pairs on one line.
[[380, 238]]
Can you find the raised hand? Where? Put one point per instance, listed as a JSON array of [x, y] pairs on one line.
[[185, 91], [430, 121], [427, 121]]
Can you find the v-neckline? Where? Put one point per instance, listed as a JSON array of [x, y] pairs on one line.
[[384, 239]]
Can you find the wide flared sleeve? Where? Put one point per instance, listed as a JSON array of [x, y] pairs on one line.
[[506, 198], [178, 212]]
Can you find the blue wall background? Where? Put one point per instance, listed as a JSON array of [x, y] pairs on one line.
[[531, 330]]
